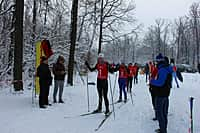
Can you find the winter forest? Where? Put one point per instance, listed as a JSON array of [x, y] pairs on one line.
[[79, 29], [132, 81]]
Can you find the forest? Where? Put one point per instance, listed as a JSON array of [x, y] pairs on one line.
[[80, 29]]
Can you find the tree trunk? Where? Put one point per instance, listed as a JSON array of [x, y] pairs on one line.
[[73, 41], [46, 10], [18, 48], [12, 36], [197, 39], [101, 28], [34, 20]]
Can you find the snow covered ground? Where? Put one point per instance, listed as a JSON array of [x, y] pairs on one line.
[[19, 115]]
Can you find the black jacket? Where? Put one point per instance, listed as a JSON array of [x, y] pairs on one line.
[[44, 74]]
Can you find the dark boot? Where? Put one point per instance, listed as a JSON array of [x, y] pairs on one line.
[[107, 112], [125, 99], [61, 101], [154, 119], [54, 101], [43, 107], [157, 131]]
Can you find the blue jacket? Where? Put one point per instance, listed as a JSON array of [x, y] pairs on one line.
[[159, 85]]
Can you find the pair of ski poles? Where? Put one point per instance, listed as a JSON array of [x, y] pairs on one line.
[[111, 92]]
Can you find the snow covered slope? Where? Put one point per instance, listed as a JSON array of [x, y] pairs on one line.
[[19, 115]]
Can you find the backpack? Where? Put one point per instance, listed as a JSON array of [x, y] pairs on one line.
[[168, 82], [179, 76]]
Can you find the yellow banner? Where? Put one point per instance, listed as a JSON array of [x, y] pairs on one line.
[[39, 54]]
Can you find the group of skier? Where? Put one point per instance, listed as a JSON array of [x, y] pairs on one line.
[[126, 75], [159, 74]]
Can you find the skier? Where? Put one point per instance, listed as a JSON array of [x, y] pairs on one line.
[[174, 72], [136, 69], [161, 86], [45, 80], [153, 75], [151, 67], [147, 71], [102, 81], [130, 77], [122, 80], [59, 77]]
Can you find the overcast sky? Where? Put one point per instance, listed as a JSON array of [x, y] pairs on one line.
[[149, 10]]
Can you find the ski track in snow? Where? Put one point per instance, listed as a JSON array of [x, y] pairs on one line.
[[19, 115]]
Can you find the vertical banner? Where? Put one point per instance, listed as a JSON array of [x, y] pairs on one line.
[[43, 48], [39, 53]]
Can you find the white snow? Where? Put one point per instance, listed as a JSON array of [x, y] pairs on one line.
[[19, 115]]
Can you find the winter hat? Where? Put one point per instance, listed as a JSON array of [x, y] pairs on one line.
[[61, 58], [159, 57], [101, 55]]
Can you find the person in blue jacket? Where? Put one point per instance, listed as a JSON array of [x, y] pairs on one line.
[[161, 87]]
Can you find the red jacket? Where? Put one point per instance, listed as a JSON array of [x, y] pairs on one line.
[[123, 72], [131, 71], [174, 68], [154, 72], [102, 71]]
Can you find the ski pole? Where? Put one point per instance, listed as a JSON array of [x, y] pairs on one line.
[[191, 115], [131, 96], [114, 84], [111, 93], [88, 100]]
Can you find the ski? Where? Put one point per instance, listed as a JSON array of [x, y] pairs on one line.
[[106, 116], [90, 113], [85, 114], [117, 102], [103, 121]]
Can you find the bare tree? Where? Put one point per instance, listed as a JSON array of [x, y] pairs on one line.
[[194, 12], [18, 49], [73, 41]]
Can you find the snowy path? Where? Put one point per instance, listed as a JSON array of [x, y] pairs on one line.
[[19, 115]]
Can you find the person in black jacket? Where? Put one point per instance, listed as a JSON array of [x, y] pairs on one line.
[[59, 77], [45, 80]]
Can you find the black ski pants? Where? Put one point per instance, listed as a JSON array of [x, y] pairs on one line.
[[44, 93], [102, 88], [129, 84]]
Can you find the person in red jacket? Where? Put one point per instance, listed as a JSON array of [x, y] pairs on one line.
[[154, 71], [102, 81], [130, 77], [153, 75], [122, 80]]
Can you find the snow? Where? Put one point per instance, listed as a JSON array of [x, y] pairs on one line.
[[19, 115]]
